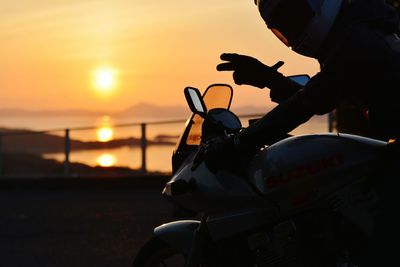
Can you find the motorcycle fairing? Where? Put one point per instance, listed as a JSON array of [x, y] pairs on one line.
[[178, 234], [223, 225], [220, 191]]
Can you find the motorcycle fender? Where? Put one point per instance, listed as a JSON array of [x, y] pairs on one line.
[[178, 234]]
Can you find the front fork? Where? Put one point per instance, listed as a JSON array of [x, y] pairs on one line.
[[199, 244]]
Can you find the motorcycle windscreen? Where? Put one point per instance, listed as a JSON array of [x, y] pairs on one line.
[[216, 96]]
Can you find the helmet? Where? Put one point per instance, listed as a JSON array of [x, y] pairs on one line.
[[302, 25]]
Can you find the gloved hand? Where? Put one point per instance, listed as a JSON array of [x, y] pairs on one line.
[[250, 71], [214, 149], [224, 153]]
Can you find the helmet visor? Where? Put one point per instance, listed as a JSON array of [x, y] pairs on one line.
[[287, 18], [280, 36]]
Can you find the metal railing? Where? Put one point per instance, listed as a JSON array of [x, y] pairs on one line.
[[67, 140], [143, 139]]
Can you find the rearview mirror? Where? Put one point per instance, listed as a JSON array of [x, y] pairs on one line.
[[195, 101], [300, 79], [218, 96]]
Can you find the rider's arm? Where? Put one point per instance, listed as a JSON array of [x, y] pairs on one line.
[[314, 99], [281, 88], [274, 125]]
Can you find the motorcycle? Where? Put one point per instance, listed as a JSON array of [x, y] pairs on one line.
[[305, 200]]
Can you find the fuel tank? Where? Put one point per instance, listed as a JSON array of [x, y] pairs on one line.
[[303, 166]]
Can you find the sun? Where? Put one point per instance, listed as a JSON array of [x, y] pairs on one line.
[[105, 79]]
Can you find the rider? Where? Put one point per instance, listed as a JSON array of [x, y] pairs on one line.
[[357, 46]]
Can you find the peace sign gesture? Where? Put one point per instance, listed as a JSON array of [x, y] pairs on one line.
[[248, 70]]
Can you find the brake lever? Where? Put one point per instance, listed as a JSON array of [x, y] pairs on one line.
[[198, 159]]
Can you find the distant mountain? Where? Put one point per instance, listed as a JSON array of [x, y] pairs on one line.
[[139, 110], [17, 112], [150, 110]]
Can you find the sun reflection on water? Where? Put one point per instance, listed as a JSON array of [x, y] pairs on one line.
[[106, 160], [105, 134]]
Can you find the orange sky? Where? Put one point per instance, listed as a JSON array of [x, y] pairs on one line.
[[50, 49]]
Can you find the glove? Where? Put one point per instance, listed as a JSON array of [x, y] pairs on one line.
[[250, 71], [214, 149], [224, 153]]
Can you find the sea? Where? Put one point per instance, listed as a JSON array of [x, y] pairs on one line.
[[105, 128]]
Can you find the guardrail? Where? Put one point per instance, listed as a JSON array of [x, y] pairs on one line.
[[67, 140], [143, 139]]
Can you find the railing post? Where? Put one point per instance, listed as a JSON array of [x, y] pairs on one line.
[[1, 155], [330, 121], [143, 146], [67, 151]]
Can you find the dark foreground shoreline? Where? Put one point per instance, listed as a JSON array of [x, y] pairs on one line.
[[20, 165]]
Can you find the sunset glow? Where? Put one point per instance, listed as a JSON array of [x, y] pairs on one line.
[[106, 160], [110, 55], [105, 80], [105, 134]]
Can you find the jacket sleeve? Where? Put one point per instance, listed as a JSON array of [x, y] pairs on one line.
[[277, 123], [317, 97], [281, 88]]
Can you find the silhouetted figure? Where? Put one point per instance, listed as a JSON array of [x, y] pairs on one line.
[[395, 4], [349, 118], [359, 55], [357, 46]]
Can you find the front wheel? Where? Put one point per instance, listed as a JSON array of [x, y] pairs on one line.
[[157, 253]]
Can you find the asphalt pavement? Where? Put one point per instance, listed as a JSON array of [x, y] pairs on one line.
[[78, 225]]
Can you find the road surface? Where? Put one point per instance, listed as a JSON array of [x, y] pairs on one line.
[[78, 226]]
